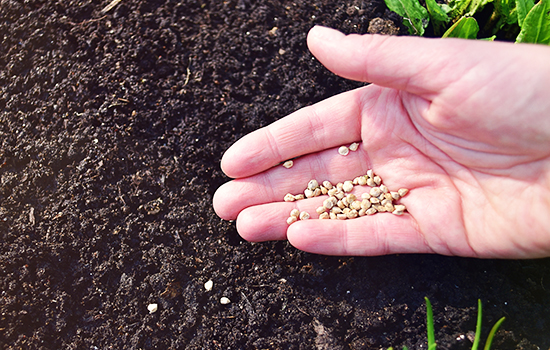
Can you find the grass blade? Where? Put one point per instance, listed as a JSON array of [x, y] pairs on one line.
[[492, 334], [478, 325], [430, 325]]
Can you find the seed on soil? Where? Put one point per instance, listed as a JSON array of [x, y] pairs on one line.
[[353, 147], [152, 308], [208, 285], [343, 150], [288, 164], [304, 215], [224, 300]]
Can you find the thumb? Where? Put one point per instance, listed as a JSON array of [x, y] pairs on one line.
[[418, 65]]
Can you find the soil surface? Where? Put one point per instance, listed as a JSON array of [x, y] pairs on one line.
[[112, 126]]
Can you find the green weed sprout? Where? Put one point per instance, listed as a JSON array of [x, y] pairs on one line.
[[431, 334]]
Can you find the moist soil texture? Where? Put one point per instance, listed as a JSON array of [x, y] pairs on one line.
[[113, 120]]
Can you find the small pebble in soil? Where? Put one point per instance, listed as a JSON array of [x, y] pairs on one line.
[[152, 308], [224, 300]]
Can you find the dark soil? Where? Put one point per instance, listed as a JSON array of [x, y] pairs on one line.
[[112, 126]]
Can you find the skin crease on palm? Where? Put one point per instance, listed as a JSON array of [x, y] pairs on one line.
[[463, 124]]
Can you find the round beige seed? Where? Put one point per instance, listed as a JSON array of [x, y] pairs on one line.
[[384, 189], [375, 192], [320, 210], [395, 195], [351, 198], [327, 184], [330, 202], [339, 194], [317, 192], [371, 211], [295, 212], [400, 207], [312, 185], [324, 216], [365, 195], [348, 186], [362, 181], [374, 200], [352, 214], [291, 220], [332, 192], [365, 204], [299, 196], [362, 212], [336, 210], [288, 164], [332, 216], [402, 192], [355, 205], [377, 180], [304, 215], [341, 216], [308, 193], [289, 197], [340, 204], [343, 150], [370, 173], [353, 147], [370, 182], [323, 190]]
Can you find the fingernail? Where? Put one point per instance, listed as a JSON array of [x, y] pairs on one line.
[[325, 33]]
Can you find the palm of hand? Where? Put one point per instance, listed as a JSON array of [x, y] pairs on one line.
[[478, 177]]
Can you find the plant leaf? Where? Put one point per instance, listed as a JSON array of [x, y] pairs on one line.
[[536, 26], [465, 28], [437, 15], [506, 9], [415, 17], [492, 334], [523, 7], [478, 326], [457, 8], [430, 325], [476, 6]]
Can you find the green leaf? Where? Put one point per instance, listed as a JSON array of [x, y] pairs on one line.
[[415, 17], [430, 325], [523, 7], [465, 28], [506, 9], [492, 334], [476, 6], [477, 337], [536, 26], [437, 15], [457, 8]]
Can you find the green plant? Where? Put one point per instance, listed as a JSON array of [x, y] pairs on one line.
[[523, 19], [431, 334]]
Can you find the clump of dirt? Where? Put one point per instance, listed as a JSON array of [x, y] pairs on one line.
[[112, 126]]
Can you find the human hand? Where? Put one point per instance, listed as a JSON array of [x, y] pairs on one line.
[[463, 124]]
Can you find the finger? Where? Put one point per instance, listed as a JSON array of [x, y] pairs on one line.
[[379, 234], [330, 123], [272, 185], [417, 65]]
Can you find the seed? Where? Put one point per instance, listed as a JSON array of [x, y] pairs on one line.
[[365, 204], [327, 185], [345, 202], [374, 200], [355, 205], [323, 190], [328, 203], [332, 192], [295, 212], [371, 211], [289, 197], [379, 208], [340, 185], [388, 196], [384, 189], [370, 173], [365, 195], [352, 214], [340, 195], [288, 164], [208, 285], [370, 182], [317, 192], [353, 147], [400, 207], [402, 192], [324, 216], [395, 195], [397, 212], [340, 204], [304, 215], [343, 150], [152, 308], [381, 197], [320, 210], [346, 211], [299, 197], [312, 184], [385, 201], [332, 216], [348, 186], [362, 181], [377, 180], [341, 216], [355, 181], [308, 193], [224, 300], [375, 192], [336, 210], [389, 207], [362, 212], [291, 220], [351, 197]]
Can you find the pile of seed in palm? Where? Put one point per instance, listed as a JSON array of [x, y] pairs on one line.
[[342, 205]]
